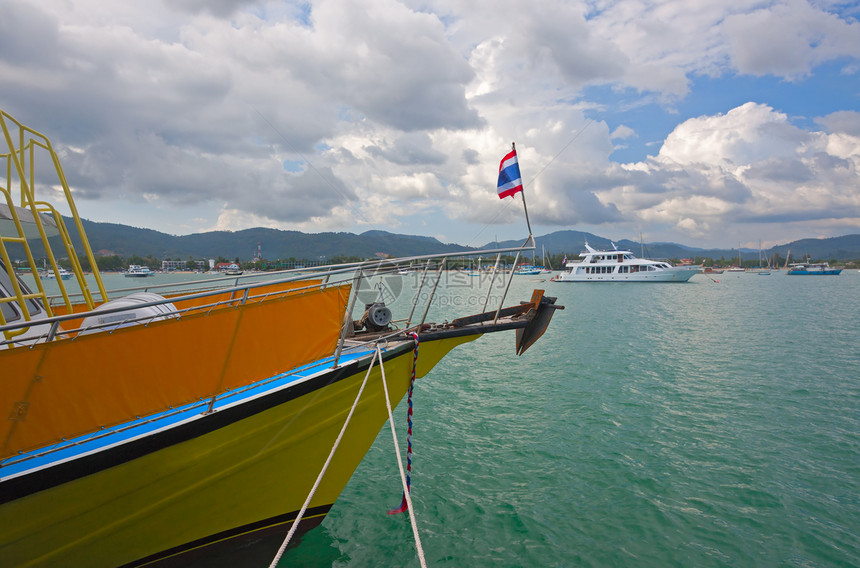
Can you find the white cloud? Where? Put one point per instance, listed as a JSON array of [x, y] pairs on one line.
[[391, 109], [847, 121], [743, 135], [747, 165], [215, 7], [788, 39]]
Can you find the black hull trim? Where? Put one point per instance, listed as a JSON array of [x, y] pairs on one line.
[[250, 545]]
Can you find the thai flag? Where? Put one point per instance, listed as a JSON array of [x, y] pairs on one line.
[[509, 176]]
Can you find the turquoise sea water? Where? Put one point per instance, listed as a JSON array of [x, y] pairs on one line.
[[699, 424]]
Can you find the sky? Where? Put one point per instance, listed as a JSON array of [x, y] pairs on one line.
[[706, 123]]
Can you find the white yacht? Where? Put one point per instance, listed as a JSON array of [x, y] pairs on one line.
[[62, 273], [621, 266], [138, 271]]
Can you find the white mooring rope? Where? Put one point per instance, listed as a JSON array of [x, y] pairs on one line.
[[328, 460], [400, 465]]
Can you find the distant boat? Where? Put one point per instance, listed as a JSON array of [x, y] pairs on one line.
[[527, 270], [62, 272], [230, 269], [621, 266], [761, 270], [740, 266], [138, 271], [812, 269], [547, 263]]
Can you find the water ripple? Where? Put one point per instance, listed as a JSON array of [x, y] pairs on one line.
[[681, 425]]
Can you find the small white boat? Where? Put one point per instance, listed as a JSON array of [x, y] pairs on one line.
[[62, 273], [138, 271], [621, 266], [547, 263]]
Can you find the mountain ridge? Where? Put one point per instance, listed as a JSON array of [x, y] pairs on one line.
[[842, 248], [124, 240]]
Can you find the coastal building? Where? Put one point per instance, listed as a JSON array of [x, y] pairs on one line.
[[168, 265]]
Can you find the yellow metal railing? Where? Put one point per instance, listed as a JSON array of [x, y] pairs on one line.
[[26, 212]]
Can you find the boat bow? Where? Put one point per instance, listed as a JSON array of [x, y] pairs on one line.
[[163, 425]]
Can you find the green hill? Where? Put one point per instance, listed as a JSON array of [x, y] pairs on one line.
[[125, 241]]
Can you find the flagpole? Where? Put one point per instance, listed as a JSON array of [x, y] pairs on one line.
[[525, 207]]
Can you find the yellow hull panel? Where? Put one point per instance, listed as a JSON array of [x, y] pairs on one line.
[[257, 468]]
